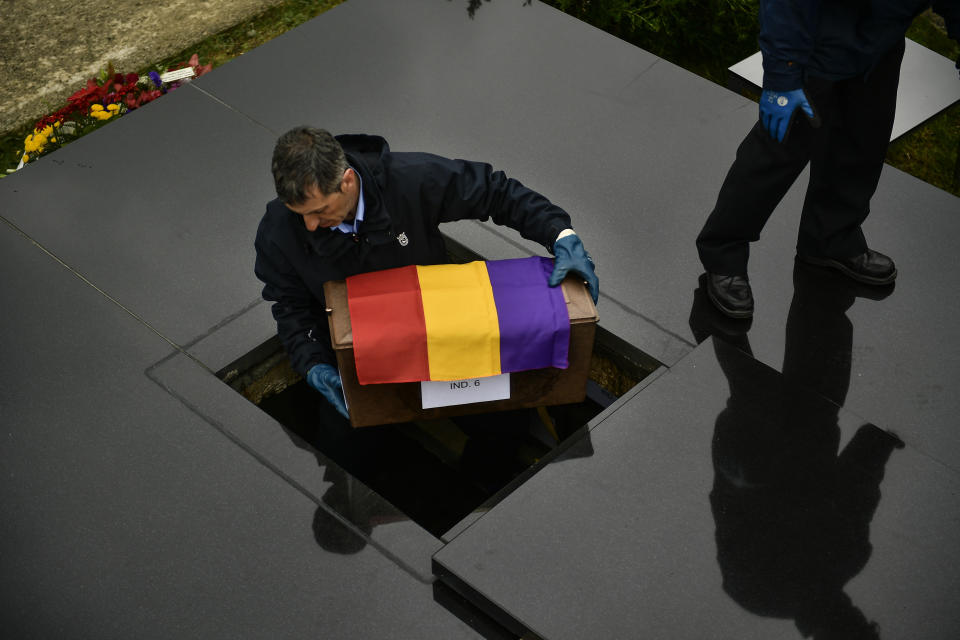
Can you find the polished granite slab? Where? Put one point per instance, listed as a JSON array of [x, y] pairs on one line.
[[158, 210], [169, 237], [638, 164], [725, 500], [610, 132], [125, 514], [928, 85], [900, 341], [281, 450]]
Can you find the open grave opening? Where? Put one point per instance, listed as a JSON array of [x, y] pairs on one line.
[[436, 471]]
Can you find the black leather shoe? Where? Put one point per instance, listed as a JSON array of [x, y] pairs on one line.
[[731, 295], [871, 267]]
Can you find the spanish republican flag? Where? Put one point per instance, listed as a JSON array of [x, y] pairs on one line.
[[457, 321]]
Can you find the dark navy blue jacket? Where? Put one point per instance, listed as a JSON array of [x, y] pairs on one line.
[[406, 196], [836, 39]]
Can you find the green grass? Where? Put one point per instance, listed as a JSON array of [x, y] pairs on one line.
[[712, 44], [932, 151]]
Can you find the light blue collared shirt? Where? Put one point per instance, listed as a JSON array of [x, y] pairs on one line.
[[354, 227]]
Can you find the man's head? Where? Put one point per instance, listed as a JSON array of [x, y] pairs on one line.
[[312, 177]]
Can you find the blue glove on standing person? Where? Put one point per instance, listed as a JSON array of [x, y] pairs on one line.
[[325, 379], [571, 256], [777, 109]]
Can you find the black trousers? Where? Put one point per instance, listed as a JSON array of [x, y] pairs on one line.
[[846, 157]]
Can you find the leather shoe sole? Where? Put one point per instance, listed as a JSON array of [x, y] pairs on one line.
[[847, 270]]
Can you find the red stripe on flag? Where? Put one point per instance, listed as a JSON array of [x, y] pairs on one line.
[[389, 333]]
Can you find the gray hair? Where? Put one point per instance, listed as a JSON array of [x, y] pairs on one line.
[[306, 157]]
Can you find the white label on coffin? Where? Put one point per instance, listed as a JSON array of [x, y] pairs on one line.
[[445, 393]]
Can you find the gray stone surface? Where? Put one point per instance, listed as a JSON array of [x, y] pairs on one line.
[[282, 452], [158, 210], [127, 515], [608, 131], [248, 328], [902, 348], [148, 496], [620, 139], [716, 505]]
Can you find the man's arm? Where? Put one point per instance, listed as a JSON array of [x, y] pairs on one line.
[[461, 189], [788, 30], [301, 321], [787, 36]]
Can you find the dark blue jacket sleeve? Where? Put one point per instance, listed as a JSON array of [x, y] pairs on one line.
[[788, 33], [301, 319], [460, 189]]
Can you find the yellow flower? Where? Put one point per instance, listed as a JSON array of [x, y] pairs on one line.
[[47, 130], [57, 123], [113, 107], [96, 107], [34, 142], [26, 158]]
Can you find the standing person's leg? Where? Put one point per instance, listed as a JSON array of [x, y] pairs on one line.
[[761, 174], [844, 172]]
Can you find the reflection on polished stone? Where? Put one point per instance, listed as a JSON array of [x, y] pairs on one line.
[[435, 473], [818, 338], [726, 495], [792, 512]]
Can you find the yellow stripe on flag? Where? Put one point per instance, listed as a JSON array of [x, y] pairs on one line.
[[463, 332]]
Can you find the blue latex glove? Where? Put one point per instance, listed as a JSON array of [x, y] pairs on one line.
[[325, 379], [571, 256], [777, 109]]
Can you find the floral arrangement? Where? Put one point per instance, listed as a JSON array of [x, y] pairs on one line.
[[108, 96]]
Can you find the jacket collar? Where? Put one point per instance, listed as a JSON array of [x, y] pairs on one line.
[[377, 226]]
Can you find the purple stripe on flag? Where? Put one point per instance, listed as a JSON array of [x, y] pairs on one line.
[[534, 324]]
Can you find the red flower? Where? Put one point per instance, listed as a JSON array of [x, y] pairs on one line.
[[197, 67], [117, 87]]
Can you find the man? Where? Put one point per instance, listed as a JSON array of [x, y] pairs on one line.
[[838, 64], [349, 205]]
